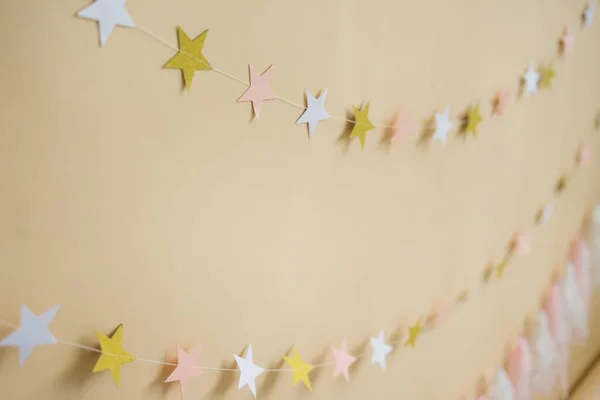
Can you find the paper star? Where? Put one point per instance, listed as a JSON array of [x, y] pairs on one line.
[[33, 331], [380, 350], [113, 355], [523, 243], [545, 214], [189, 58], [443, 125], [531, 79], [547, 76], [473, 120], [566, 41], [403, 125], [300, 369], [361, 124], [501, 268], [413, 333], [108, 14], [583, 154], [315, 111], [248, 371], [500, 101], [588, 14], [187, 367], [259, 90], [343, 361]]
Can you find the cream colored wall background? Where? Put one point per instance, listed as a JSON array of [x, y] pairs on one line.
[[129, 202]]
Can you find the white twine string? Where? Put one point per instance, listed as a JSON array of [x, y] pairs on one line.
[[154, 36]]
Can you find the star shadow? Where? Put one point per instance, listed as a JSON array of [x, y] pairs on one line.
[[360, 353], [225, 381], [426, 132], [344, 138], [270, 380], [78, 375], [387, 137], [158, 384]]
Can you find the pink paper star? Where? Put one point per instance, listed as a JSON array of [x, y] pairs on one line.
[[500, 101], [343, 361], [403, 125], [583, 154], [259, 90], [523, 243], [187, 367], [566, 41]]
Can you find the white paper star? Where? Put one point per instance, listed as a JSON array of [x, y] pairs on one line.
[[545, 214], [32, 332], [315, 111], [588, 14], [380, 350], [531, 79], [108, 13], [442, 126], [248, 371]]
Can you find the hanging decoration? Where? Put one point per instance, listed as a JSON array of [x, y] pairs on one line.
[[108, 14], [189, 59]]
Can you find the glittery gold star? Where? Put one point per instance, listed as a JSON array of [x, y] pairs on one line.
[[413, 333], [547, 76], [500, 269], [473, 119], [361, 124], [190, 58]]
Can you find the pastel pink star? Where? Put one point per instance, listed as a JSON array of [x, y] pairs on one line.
[[343, 361], [500, 101], [523, 243], [187, 367], [259, 90], [583, 154], [567, 41], [403, 126]]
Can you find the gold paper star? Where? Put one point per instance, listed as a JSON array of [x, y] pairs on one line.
[[300, 369], [113, 355], [547, 76], [500, 268], [413, 333], [189, 58], [473, 120], [361, 124]]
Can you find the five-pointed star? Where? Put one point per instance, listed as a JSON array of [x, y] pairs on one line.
[[500, 101], [588, 14], [380, 350], [259, 90], [523, 243], [403, 125], [566, 41], [583, 154], [473, 120], [315, 111], [33, 331], [361, 124], [108, 14], [547, 76], [187, 367], [300, 369], [189, 58], [113, 355], [442, 126], [531, 79], [343, 361], [248, 371], [413, 333]]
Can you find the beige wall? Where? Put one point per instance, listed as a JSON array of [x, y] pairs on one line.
[[129, 202]]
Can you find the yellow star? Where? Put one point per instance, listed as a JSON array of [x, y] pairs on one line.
[[473, 120], [413, 333], [113, 355], [300, 369], [361, 124], [547, 76], [500, 268], [189, 58]]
